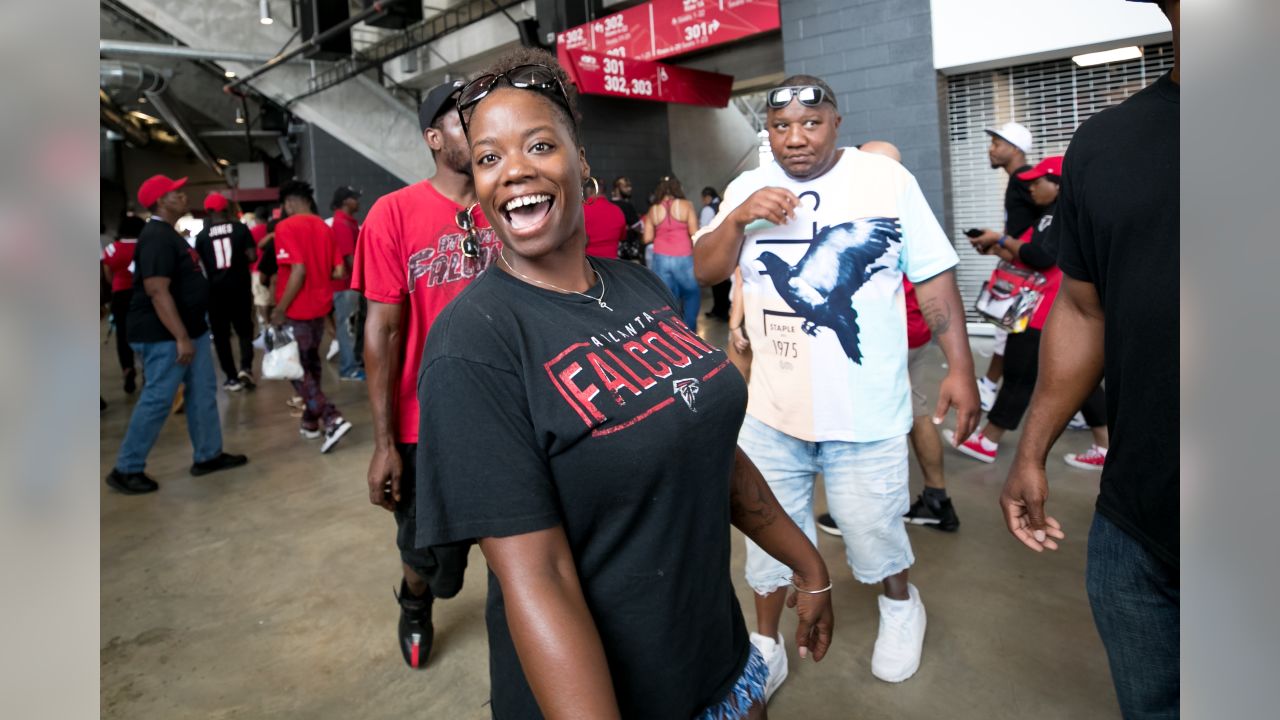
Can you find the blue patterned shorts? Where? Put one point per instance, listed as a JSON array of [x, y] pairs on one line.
[[746, 692]]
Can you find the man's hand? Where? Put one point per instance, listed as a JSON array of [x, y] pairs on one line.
[[775, 204], [815, 622], [1022, 502], [738, 337], [959, 390], [984, 242], [186, 351], [384, 477], [277, 316]]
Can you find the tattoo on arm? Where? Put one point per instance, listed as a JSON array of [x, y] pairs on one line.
[[749, 505], [937, 313]]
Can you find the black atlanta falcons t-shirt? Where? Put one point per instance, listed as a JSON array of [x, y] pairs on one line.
[[541, 409]]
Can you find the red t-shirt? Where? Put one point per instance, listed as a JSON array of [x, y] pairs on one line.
[[606, 227], [119, 257], [411, 249], [918, 332], [258, 232], [345, 229], [306, 240]]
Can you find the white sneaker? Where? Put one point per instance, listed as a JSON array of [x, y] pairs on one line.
[[775, 657], [334, 434], [333, 350], [901, 638], [987, 392], [1077, 422], [310, 434]]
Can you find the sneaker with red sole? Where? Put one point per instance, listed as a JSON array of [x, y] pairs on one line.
[[974, 447], [1092, 459]]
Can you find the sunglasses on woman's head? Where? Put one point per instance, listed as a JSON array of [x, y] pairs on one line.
[[538, 78], [808, 95]]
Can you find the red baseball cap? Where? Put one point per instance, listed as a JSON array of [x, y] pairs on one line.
[[156, 187], [1048, 166], [215, 202]]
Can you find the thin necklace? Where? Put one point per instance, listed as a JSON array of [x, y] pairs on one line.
[[599, 301]]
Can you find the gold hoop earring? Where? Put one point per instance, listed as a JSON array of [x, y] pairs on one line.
[[595, 187]]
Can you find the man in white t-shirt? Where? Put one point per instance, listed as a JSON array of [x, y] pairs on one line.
[[823, 236]]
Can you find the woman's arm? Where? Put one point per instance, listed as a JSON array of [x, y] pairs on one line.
[[690, 217], [551, 626], [757, 513], [648, 227]]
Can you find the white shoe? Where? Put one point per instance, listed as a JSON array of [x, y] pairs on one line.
[[333, 350], [901, 638], [987, 392], [775, 658], [334, 434], [1077, 422], [310, 434]]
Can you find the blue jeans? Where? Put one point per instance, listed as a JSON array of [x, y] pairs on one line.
[[867, 495], [345, 306], [1134, 596], [163, 376], [676, 272]]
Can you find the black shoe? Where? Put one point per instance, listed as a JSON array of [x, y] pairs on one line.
[[416, 631], [131, 483], [246, 380], [130, 381], [221, 462], [943, 517], [827, 525]]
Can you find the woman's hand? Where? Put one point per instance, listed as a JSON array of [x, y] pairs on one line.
[[815, 619], [738, 336], [984, 242]]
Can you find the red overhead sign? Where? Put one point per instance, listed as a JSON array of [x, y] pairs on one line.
[[665, 28], [597, 74]]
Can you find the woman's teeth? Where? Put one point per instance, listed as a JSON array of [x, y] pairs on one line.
[[527, 210]]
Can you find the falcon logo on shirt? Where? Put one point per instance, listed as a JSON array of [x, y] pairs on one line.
[[687, 389]]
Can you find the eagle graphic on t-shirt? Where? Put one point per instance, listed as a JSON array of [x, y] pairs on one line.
[[820, 287]]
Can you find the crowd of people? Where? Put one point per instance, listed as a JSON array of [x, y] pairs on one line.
[[509, 295]]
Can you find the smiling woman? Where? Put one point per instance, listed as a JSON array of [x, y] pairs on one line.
[[608, 473]]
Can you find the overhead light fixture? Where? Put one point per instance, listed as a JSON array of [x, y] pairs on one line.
[[144, 117], [239, 116], [264, 12], [142, 101], [230, 73], [224, 162], [1133, 52]]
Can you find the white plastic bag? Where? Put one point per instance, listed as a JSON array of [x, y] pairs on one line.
[[281, 362]]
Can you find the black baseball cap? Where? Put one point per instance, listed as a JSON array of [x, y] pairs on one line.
[[341, 194], [441, 99]]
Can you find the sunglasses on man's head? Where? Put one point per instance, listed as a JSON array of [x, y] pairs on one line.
[[538, 78], [808, 95]]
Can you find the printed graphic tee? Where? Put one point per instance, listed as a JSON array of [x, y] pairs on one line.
[[1116, 226], [542, 409], [410, 249], [306, 240], [824, 301], [223, 248]]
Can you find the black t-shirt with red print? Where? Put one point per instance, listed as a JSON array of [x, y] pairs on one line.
[[162, 252], [542, 409]]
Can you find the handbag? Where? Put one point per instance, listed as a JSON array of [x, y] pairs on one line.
[[1010, 296], [281, 361]]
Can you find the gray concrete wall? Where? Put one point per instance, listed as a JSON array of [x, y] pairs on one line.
[[626, 137], [327, 163], [710, 146], [878, 57]]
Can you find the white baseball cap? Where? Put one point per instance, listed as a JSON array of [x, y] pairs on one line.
[[1015, 134]]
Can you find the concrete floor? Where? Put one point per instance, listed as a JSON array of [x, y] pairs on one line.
[[266, 591]]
